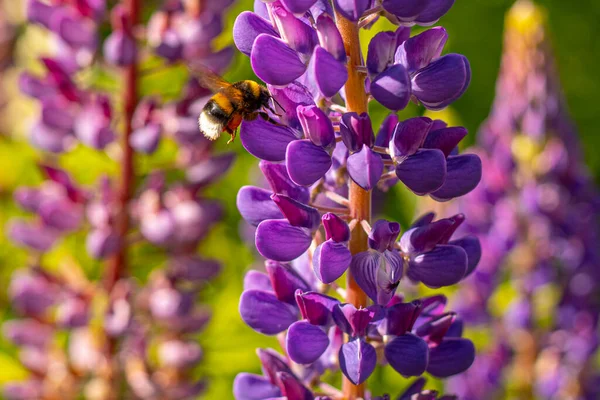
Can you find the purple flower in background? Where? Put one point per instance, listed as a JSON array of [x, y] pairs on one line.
[[536, 217], [110, 295]]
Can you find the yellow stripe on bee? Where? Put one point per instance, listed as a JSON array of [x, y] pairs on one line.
[[223, 102], [255, 87]]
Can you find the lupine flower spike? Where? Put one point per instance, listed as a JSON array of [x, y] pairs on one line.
[[321, 161]]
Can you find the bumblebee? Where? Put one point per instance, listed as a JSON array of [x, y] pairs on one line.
[[230, 104]]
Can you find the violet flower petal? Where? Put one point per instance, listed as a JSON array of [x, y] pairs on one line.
[[418, 51], [392, 88], [445, 265], [265, 140], [357, 360], [351, 9], [277, 240], [329, 74], [472, 247], [247, 27], [451, 357], [335, 228], [464, 174], [280, 182], [274, 61], [264, 313], [306, 163], [316, 308], [434, 11], [442, 82], [365, 168], [423, 172], [305, 343], [408, 137], [445, 139], [255, 205], [408, 354], [254, 387], [298, 214], [331, 260]]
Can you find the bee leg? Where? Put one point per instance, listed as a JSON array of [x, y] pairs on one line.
[[232, 133]]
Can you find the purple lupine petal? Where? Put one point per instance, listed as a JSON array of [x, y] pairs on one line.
[[330, 38], [408, 354], [255, 205], [264, 313], [335, 228], [101, 243], [272, 363], [298, 214], [443, 266], [306, 163], [280, 182], [277, 240], [37, 237], [423, 220], [377, 274], [357, 360], [295, 32], [285, 281], [60, 214], [52, 140], [265, 140], [356, 130], [331, 260], [442, 82], [146, 139], [381, 51], [316, 125], [254, 387], [247, 27], [41, 13], [408, 137], [260, 9], [423, 172], [74, 31], [426, 237], [305, 342], [298, 6], [274, 61], [433, 331], [400, 318], [386, 130], [210, 169], [472, 247], [392, 88], [329, 74], [418, 51], [120, 49], [315, 307], [256, 280], [351, 9], [56, 116], [351, 320], [28, 332], [434, 11], [365, 168], [193, 268], [290, 97], [383, 235], [405, 10], [451, 357], [415, 388], [445, 139], [292, 388], [464, 174]]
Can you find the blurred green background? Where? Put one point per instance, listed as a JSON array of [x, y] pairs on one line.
[[475, 29]]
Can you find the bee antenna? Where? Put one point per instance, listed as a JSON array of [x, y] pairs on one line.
[[276, 102]]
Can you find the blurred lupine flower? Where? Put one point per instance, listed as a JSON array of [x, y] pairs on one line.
[[310, 157], [536, 215], [76, 336]]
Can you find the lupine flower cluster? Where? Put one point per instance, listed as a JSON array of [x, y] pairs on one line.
[[112, 337], [536, 214], [318, 153]]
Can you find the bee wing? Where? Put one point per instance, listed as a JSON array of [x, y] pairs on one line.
[[207, 78]]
